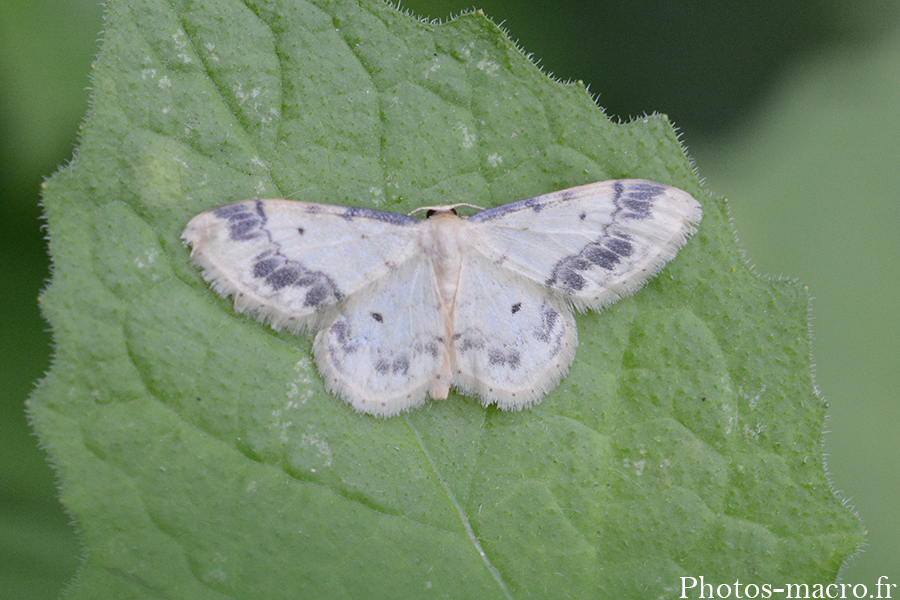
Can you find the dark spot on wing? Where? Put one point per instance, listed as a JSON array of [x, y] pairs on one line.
[[247, 222], [342, 333], [514, 359], [282, 277], [544, 330], [505, 209], [511, 358], [636, 201], [319, 294], [279, 272], [397, 366], [552, 329], [620, 244], [266, 267], [516, 307], [571, 281], [533, 204], [582, 216], [606, 253], [469, 343], [430, 348], [377, 317], [378, 215], [496, 357], [331, 350], [244, 222], [401, 365]]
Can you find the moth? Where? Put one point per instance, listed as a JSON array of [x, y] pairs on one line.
[[405, 308]]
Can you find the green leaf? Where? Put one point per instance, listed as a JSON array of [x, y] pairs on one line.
[[809, 176], [201, 456]]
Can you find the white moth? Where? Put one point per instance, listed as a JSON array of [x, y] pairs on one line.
[[405, 308]]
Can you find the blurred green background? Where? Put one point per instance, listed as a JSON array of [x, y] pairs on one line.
[[789, 108]]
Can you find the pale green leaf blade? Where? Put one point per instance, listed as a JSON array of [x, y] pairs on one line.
[[198, 450]]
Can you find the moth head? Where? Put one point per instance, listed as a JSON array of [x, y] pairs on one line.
[[443, 209]]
